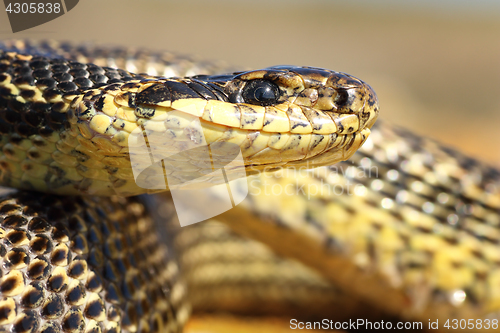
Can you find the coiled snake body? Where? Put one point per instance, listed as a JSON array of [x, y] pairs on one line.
[[407, 226]]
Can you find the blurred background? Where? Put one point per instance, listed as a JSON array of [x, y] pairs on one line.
[[434, 64]]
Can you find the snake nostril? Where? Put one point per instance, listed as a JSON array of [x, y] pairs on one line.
[[341, 98]]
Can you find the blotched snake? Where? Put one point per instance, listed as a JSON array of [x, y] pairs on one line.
[[405, 225]]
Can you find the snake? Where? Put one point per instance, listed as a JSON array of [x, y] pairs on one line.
[[371, 220]]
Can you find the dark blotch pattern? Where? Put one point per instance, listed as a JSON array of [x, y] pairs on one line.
[[155, 94], [59, 274], [54, 77]]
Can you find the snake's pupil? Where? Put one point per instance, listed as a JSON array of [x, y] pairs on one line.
[[261, 92], [264, 94]]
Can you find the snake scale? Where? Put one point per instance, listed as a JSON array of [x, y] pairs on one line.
[[405, 228]]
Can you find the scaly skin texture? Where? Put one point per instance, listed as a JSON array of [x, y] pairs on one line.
[[47, 123], [408, 225], [73, 128], [79, 264], [413, 230]]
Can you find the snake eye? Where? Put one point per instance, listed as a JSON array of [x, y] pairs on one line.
[[261, 92]]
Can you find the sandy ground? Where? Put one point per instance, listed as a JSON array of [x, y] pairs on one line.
[[437, 73]]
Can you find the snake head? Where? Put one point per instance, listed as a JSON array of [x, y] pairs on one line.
[[275, 117], [316, 88], [130, 133], [310, 116]]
